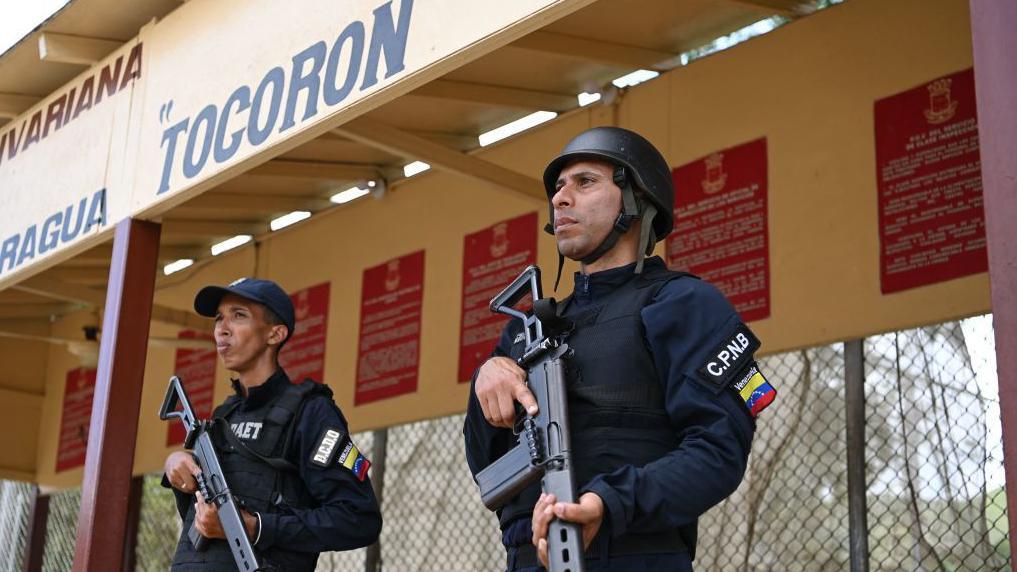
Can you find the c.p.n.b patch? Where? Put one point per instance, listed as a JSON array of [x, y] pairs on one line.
[[730, 357]]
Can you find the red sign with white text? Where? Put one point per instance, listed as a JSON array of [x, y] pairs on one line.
[[303, 356], [720, 231], [931, 220], [389, 343], [75, 418], [196, 369], [492, 258]]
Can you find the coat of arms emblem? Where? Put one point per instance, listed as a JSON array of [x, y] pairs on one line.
[[716, 178], [499, 240], [941, 106], [392, 276]]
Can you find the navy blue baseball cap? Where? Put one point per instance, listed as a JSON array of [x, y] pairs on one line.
[[264, 292]]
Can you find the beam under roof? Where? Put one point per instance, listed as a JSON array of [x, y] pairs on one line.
[[211, 228], [13, 105], [89, 274], [183, 318], [66, 49], [596, 50], [252, 202], [315, 170], [456, 141], [76, 295], [6, 393], [53, 288], [371, 132], [497, 95], [17, 311], [176, 252], [26, 327], [790, 8], [85, 260]]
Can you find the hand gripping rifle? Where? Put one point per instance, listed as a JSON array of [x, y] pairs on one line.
[[211, 481], [543, 449]]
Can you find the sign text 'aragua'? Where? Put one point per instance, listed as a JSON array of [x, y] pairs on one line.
[[58, 228]]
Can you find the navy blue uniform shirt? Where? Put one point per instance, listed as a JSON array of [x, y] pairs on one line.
[[684, 324], [347, 515]]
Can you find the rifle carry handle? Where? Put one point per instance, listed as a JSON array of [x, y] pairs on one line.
[[528, 282]]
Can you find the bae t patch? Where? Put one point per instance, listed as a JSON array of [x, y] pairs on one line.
[[328, 445], [352, 459], [755, 391], [729, 358]]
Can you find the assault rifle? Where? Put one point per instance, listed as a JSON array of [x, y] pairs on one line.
[[543, 450], [211, 481]]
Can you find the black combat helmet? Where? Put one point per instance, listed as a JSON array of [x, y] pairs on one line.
[[637, 163]]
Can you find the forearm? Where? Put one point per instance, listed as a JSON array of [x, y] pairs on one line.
[[673, 491], [341, 526]]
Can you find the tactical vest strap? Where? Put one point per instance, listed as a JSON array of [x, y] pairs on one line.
[[293, 401], [227, 407], [277, 463], [286, 406], [283, 410]]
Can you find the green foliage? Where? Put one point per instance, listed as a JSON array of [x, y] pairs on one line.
[[999, 528]]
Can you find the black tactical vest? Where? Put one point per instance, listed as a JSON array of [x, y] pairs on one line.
[[616, 401], [257, 484]]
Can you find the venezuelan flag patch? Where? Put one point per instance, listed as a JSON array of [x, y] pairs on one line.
[[755, 391], [352, 459]]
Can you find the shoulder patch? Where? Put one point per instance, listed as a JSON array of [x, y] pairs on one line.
[[354, 461], [730, 357], [755, 390], [328, 445]]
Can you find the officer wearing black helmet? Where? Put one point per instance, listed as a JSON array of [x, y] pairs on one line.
[[285, 447], [663, 387]]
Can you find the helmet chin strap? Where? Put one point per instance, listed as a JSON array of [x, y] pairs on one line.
[[647, 238], [630, 212]]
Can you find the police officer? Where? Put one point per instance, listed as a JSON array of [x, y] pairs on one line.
[[285, 448], [663, 388]]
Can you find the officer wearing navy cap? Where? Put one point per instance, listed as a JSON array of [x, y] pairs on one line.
[[285, 447], [663, 388]]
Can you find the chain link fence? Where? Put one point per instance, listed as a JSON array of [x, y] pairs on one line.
[[934, 473], [790, 513], [61, 530], [934, 464], [15, 504], [158, 526]]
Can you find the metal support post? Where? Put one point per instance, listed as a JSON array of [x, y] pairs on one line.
[[105, 489], [36, 544], [372, 563], [133, 518], [994, 44], [854, 398]]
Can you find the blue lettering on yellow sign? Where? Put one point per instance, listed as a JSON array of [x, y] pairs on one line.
[[56, 229], [208, 135]]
